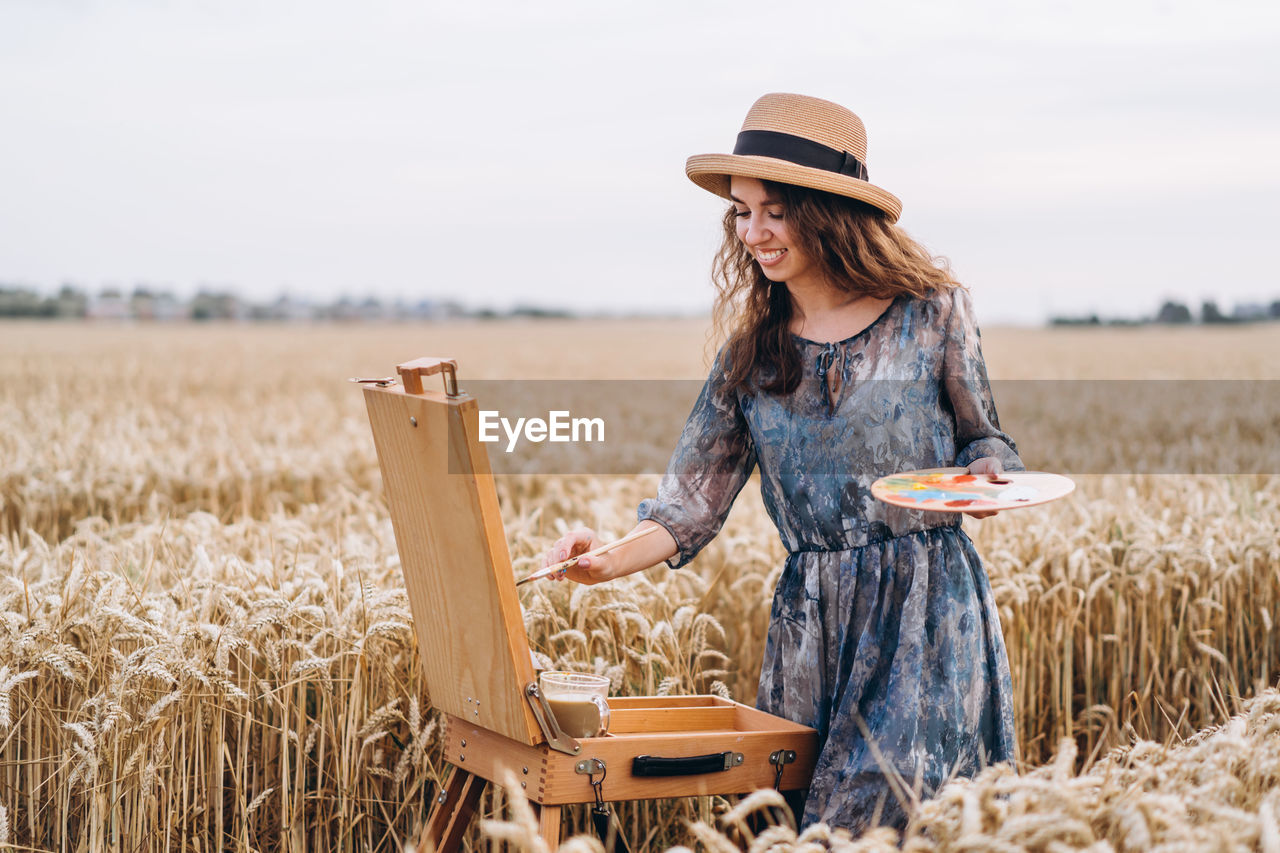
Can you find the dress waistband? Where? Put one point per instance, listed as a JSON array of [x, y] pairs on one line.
[[873, 539]]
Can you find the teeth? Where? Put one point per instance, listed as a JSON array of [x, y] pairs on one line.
[[769, 254]]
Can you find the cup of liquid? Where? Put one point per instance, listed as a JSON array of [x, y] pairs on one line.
[[577, 701]]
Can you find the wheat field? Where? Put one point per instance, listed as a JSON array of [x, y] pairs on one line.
[[205, 642]]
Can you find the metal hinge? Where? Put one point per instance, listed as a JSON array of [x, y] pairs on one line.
[[556, 738]]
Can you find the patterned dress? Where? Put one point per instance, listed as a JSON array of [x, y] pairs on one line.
[[883, 634]]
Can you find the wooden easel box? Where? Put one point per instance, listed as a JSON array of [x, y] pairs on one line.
[[472, 642], [666, 726]]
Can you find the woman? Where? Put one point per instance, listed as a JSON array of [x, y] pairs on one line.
[[852, 354]]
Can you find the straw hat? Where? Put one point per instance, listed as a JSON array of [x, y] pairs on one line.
[[794, 139]]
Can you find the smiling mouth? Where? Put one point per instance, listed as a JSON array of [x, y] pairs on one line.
[[768, 256]]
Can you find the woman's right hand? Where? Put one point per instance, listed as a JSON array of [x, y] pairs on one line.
[[588, 570]]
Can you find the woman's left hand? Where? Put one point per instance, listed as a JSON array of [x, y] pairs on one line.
[[990, 467]]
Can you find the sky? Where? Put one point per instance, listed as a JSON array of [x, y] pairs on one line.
[[1098, 156]]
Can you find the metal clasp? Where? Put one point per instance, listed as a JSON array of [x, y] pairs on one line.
[[780, 758], [589, 767]]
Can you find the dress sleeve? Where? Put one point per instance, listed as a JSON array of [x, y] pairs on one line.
[[965, 381], [712, 461]]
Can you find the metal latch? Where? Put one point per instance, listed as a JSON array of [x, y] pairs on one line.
[[601, 816], [780, 758]]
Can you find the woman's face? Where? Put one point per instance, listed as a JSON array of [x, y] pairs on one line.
[[762, 228]]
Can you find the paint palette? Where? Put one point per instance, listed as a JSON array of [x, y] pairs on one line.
[[956, 490]]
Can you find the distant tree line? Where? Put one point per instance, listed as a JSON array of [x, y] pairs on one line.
[[147, 303], [209, 304], [21, 302], [1175, 313]]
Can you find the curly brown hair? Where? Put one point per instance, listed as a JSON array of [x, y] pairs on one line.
[[855, 247]]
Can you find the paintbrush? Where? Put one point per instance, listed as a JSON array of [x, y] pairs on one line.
[[547, 571]]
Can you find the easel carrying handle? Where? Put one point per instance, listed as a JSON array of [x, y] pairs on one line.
[[411, 373]]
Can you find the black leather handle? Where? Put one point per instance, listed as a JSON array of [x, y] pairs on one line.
[[715, 762]]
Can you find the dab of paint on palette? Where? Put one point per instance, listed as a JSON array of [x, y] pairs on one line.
[[956, 490]]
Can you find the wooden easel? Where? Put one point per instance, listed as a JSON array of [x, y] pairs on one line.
[[476, 658]]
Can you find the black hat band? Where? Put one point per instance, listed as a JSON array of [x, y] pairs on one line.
[[801, 151]]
